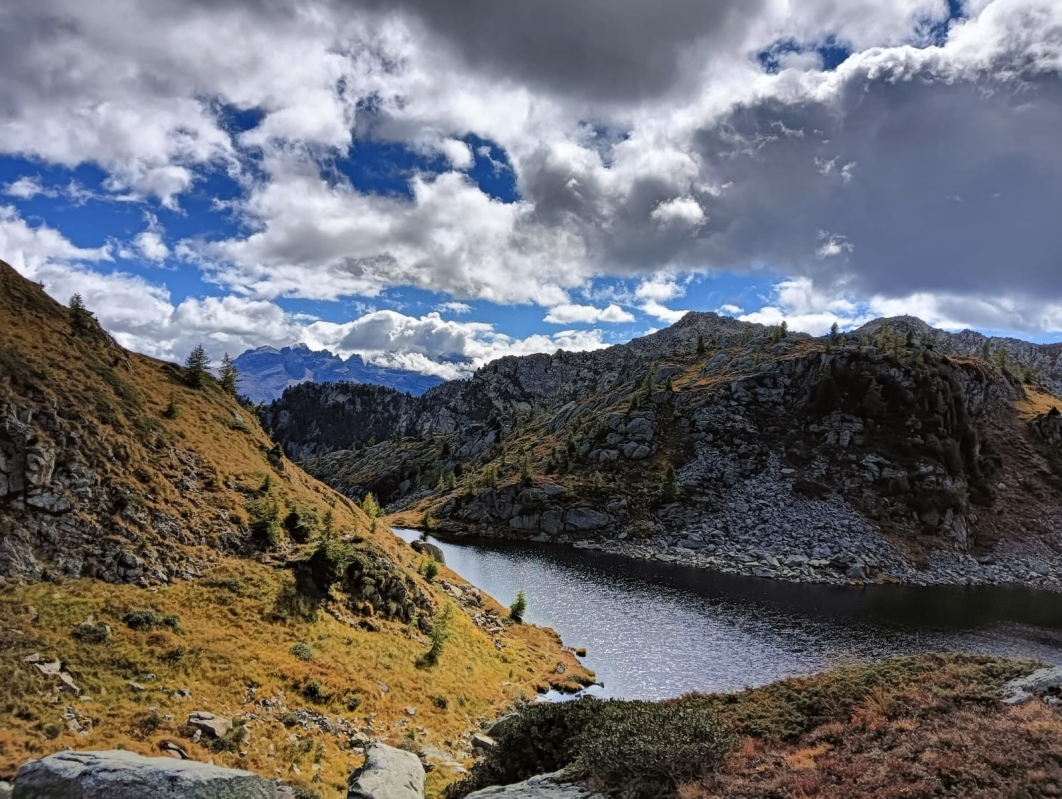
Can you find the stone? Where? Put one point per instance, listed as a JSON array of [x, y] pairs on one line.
[[173, 750], [640, 430], [1039, 568], [208, 723], [124, 775], [429, 548], [544, 786], [634, 451], [387, 773], [1043, 682], [585, 519], [483, 742], [6, 789]]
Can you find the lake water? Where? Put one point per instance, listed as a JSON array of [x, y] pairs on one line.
[[654, 630]]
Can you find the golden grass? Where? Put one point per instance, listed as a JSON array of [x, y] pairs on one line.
[[231, 642], [1035, 402], [202, 467]]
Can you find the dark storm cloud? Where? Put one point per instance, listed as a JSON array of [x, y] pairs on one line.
[[602, 50], [937, 184]]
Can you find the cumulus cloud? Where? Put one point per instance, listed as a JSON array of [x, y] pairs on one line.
[[587, 314], [27, 187], [679, 156], [142, 315]]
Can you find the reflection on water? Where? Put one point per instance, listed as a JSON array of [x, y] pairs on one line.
[[654, 630]]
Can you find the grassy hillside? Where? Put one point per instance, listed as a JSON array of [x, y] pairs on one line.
[[276, 600]]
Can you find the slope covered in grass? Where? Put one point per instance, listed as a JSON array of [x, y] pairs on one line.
[[156, 543]]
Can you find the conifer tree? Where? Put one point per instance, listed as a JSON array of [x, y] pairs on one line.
[[669, 486], [197, 367], [230, 375], [370, 506], [701, 349], [80, 316]]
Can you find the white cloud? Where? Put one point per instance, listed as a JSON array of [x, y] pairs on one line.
[[150, 243], [27, 187], [458, 153], [680, 210], [587, 314], [459, 308], [731, 310], [677, 157]]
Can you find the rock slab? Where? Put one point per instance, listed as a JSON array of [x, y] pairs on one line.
[[125, 775], [388, 773], [544, 786]]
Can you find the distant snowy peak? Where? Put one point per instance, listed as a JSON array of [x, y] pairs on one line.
[[266, 371]]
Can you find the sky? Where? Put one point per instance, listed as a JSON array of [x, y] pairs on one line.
[[437, 183]]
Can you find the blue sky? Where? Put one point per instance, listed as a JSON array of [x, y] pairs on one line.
[[426, 193]]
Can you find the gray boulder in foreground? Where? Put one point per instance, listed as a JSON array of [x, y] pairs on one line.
[[388, 773], [124, 775], [1044, 682], [544, 786]]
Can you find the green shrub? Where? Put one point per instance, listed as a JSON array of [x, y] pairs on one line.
[[637, 748], [353, 703], [301, 650], [429, 568], [173, 621], [440, 702], [316, 693], [89, 633], [518, 607], [145, 619], [300, 523], [232, 740], [631, 749], [440, 632]]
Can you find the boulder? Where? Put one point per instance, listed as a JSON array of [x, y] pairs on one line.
[[388, 773], [1044, 682], [585, 519], [483, 742], [214, 726], [124, 775], [428, 548], [544, 786]]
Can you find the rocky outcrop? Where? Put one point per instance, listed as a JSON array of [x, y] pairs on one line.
[[860, 456], [388, 773], [124, 775], [544, 786]]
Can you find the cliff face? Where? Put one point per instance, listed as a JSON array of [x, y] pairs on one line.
[[864, 452]]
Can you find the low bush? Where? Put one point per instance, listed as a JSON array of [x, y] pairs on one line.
[[145, 619], [429, 568], [316, 693], [301, 650], [630, 749], [89, 633]]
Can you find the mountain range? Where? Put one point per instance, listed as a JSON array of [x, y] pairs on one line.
[[891, 452], [266, 372]]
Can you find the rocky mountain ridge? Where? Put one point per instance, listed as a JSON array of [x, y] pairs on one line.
[[170, 582], [854, 456], [266, 372]]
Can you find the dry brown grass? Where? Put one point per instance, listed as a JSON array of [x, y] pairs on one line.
[[230, 636], [230, 641], [1035, 402]]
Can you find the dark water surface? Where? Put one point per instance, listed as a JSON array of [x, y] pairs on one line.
[[654, 630]]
